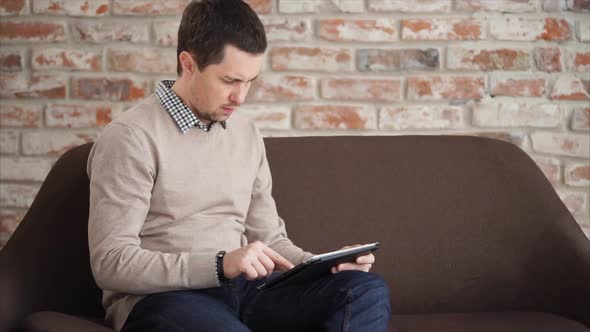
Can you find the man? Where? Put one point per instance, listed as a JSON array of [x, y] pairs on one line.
[[179, 180]]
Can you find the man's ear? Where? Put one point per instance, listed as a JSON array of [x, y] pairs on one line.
[[187, 62]]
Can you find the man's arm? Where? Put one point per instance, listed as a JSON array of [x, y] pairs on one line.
[[263, 222], [122, 173]]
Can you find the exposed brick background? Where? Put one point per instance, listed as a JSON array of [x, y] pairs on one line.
[[515, 70]]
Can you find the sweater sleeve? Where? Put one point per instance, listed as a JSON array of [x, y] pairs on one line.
[[122, 172], [263, 222]]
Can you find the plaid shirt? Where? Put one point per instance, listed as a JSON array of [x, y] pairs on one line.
[[180, 113]]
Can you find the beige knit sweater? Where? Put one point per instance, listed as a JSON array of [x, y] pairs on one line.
[[163, 203]]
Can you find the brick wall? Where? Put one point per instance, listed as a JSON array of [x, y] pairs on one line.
[[517, 70]]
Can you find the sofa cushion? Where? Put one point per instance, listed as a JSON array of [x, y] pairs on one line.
[[486, 322], [50, 321]]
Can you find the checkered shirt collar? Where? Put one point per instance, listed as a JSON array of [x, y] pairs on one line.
[[180, 113]]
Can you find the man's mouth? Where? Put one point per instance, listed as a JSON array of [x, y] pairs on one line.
[[228, 111]]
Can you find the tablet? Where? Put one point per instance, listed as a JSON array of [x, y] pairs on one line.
[[319, 265]]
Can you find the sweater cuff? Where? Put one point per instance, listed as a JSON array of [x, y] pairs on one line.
[[202, 273]]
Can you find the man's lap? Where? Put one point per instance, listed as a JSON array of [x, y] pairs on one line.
[[235, 305]]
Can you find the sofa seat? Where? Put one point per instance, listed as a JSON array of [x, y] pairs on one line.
[[485, 322], [51, 321]]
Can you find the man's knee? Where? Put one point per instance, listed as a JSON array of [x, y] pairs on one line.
[[367, 287]]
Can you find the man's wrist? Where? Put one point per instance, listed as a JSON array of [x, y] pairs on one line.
[[219, 273]]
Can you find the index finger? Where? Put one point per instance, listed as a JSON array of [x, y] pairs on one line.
[[278, 259]]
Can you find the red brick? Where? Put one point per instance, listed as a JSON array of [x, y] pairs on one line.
[[11, 60], [517, 85], [577, 174], [335, 117], [77, 115], [311, 58], [273, 87], [550, 166], [17, 195], [260, 6], [548, 58], [30, 31], [273, 117], [9, 141], [143, 60], [72, 7], [100, 32], [399, 59], [512, 113], [24, 168], [112, 89], [569, 87], [21, 115], [442, 29], [316, 6], [581, 119], [9, 221], [53, 143], [509, 6], [12, 7], [38, 86], [471, 58], [66, 59], [367, 30], [404, 6], [371, 90], [565, 144], [578, 59], [149, 7], [166, 33], [421, 117], [445, 87], [287, 28]]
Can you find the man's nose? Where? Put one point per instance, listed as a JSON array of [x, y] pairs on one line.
[[238, 95]]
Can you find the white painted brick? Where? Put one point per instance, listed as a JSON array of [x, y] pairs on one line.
[[54, 143], [274, 117], [314, 6], [421, 117], [9, 141], [510, 113], [17, 195], [574, 145], [24, 168]]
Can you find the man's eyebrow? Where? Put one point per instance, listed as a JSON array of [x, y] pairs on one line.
[[239, 80]]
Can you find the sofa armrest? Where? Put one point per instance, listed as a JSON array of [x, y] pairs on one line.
[[50, 321]]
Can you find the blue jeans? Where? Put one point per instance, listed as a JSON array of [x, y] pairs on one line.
[[346, 301]]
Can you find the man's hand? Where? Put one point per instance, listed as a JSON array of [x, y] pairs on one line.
[[255, 261], [362, 263]]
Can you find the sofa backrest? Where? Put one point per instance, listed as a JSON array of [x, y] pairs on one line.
[[45, 263], [465, 224]]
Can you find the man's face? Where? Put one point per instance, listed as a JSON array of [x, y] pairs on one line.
[[216, 91]]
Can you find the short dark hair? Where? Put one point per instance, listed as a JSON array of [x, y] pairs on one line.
[[208, 25]]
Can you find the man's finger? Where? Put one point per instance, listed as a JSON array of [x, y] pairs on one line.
[[351, 266], [268, 264], [278, 259], [366, 259]]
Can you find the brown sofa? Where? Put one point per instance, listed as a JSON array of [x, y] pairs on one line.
[[473, 236]]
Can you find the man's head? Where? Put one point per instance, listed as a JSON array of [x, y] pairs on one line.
[[221, 45]]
